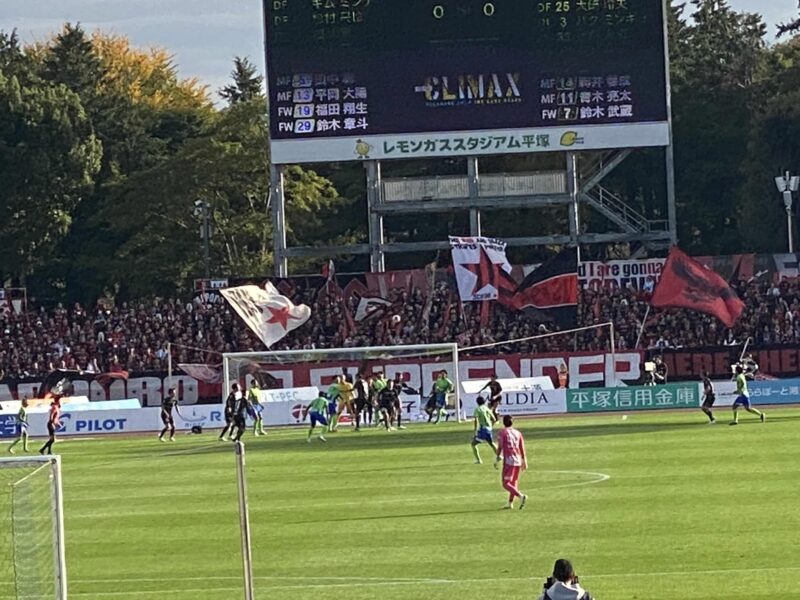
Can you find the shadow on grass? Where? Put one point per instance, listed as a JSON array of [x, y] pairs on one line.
[[383, 517]]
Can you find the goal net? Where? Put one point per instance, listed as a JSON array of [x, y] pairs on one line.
[[32, 562], [290, 379]]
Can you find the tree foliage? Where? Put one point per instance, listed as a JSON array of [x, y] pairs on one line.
[[104, 150], [49, 156], [246, 84]]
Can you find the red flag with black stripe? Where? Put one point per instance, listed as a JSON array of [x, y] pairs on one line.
[[552, 289], [685, 283]]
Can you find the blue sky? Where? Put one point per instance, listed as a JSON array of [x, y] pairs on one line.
[[205, 35]]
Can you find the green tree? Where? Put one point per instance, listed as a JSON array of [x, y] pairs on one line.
[[719, 62], [153, 211], [49, 157], [246, 84], [772, 150], [143, 113]]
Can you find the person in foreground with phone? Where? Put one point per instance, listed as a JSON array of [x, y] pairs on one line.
[[564, 584]]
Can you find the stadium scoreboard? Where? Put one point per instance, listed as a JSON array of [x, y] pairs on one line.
[[384, 79]]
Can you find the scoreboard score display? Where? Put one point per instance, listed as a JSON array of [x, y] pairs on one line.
[[385, 79]]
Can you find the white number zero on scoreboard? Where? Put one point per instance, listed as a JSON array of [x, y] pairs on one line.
[[304, 126], [303, 110], [303, 95]]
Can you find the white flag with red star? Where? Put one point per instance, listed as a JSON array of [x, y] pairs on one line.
[[481, 268], [267, 312]]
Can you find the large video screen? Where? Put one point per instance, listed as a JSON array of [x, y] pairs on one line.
[[384, 79]]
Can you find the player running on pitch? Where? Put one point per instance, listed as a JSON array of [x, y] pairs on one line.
[[230, 408], [511, 450], [22, 427], [318, 410], [495, 393], [53, 423], [743, 398], [168, 404], [708, 398], [255, 408], [483, 419]]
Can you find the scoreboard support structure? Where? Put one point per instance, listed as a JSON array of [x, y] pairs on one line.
[[386, 82], [576, 188]]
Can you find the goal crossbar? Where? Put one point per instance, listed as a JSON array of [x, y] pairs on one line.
[[373, 353]]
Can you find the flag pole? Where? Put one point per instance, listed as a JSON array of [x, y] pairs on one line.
[[613, 356], [744, 350], [641, 329]]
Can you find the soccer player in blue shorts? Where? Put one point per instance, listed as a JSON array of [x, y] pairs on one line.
[[318, 410], [483, 419], [743, 398]]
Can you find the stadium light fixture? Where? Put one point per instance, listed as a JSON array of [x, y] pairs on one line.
[[788, 184]]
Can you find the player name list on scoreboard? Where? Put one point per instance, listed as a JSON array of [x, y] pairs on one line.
[[309, 102]]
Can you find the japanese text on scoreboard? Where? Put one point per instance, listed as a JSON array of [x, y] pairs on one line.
[[361, 79]]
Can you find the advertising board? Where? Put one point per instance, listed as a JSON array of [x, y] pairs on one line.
[[634, 398]]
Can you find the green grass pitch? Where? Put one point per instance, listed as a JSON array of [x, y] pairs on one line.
[[655, 506]]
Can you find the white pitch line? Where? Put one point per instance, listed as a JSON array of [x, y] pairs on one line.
[[362, 581], [374, 582], [598, 478]]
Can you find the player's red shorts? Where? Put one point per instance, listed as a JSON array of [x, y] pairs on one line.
[[511, 474]]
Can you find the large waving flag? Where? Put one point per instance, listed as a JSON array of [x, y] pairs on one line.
[[267, 312], [480, 266], [552, 289], [685, 283]]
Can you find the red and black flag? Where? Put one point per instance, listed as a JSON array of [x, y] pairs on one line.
[[685, 283], [552, 289]]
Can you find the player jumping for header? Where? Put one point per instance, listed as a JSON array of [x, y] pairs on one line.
[[22, 427], [743, 398], [495, 394], [511, 450], [318, 411], [441, 387], [482, 431]]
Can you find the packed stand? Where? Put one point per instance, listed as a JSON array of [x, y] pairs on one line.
[[133, 336]]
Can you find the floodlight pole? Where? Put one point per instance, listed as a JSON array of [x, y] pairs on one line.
[[786, 186]]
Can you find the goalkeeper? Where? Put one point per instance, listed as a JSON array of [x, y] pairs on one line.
[[318, 411], [255, 408], [22, 425]]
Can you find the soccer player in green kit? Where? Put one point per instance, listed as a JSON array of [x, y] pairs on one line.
[[318, 410], [441, 387], [22, 424], [255, 408], [743, 398], [483, 418]]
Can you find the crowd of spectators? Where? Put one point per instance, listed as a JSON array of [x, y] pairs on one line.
[[133, 336]]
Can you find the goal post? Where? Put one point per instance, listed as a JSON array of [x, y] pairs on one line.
[[32, 554], [416, 365]]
